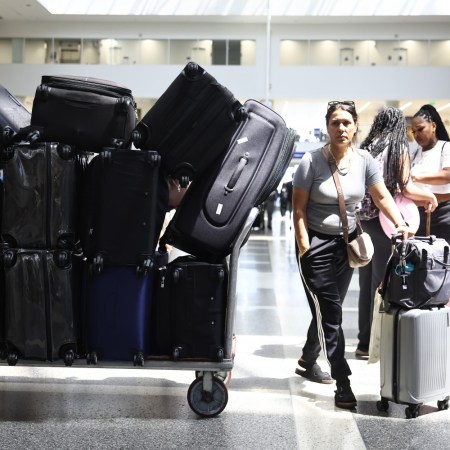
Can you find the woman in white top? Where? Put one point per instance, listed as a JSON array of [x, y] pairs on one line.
[[430, 168]]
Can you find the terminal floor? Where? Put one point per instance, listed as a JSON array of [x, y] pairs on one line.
[[269, 406]]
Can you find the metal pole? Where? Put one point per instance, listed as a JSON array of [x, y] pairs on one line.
[[268, 31]]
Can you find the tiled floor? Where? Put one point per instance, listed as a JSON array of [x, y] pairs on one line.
[[269, 407]]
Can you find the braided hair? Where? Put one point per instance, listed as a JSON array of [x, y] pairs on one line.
[[389, 131], [430, 114]]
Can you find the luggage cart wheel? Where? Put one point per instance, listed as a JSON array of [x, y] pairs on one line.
[[207, 404], [138, 359], [12, 358], [69, 357], [442, 404], [412, 411], [91, 358], [383, 404]]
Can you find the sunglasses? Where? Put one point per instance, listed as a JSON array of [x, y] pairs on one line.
[[339, 102]]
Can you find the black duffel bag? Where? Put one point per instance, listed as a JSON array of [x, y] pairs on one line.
[[417, 273]]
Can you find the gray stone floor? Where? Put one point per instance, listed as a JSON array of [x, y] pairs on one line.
[[269, 407]]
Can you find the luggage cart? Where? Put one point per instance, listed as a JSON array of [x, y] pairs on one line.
[[207, 395]]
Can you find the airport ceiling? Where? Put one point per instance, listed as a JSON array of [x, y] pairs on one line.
[[240, 11]]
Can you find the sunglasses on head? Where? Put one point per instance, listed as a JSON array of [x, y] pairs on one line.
[[341, 102]]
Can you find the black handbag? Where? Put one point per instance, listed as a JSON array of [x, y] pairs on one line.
[[417, 273]]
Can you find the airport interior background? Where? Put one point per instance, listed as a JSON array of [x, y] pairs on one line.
[[293, 56]]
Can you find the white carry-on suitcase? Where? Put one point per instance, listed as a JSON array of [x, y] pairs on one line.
[[415, 358]]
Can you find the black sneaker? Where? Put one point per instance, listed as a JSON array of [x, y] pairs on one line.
[[344, 397]]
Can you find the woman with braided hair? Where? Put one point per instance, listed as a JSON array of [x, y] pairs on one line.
[[430, 168], [387, 142]]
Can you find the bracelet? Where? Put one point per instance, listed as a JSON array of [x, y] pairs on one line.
[[303, 252], [397, 225]]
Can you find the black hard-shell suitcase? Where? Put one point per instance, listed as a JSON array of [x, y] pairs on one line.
[[40, 195], [415, 358], [86, 112], [191, 124], [216, 205], [123, 209], [189, 309], [41, 304], [13, 117]]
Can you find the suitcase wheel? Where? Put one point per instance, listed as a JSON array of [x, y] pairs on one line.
[[205, 403], [138, 359], [137, 137], [62, 259], [412, 411], [9, 258], [442, 404], [69, 357], [176, 354], [383, 404], [145, 267], [7, 134], [97, 264], [184, 180], [91, 358], [12, 358], [33, 137], [192, 70], [64, 151], [240, 114], [219, 354], [8, 153]]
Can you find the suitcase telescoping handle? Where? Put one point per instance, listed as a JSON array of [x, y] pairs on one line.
[[243, 160]]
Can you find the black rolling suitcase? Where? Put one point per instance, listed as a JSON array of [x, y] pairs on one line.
[[123, 209], [216, 205], [86, 112], [191, 124], [189, 309], [13, 117], [40, 194], [41, 304]]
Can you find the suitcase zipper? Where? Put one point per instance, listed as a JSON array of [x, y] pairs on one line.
[[48, 157], [48, 315], [282, 162], [87, 85]]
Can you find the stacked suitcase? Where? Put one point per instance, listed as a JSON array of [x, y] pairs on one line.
[[39, 213], [84, 257], [415, 326]]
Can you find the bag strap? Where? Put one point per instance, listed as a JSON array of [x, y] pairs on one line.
[[340, 194]]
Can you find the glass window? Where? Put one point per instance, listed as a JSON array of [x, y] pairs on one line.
[[6, 53]]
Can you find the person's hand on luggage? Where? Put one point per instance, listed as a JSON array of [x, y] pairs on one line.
[[431, 205], [404, 229]]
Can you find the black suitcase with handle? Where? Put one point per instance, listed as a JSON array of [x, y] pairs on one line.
[[189, 309], [41, 304], [216, 205], [40, 195], [125, 198], [191, 124], [86, 112]]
